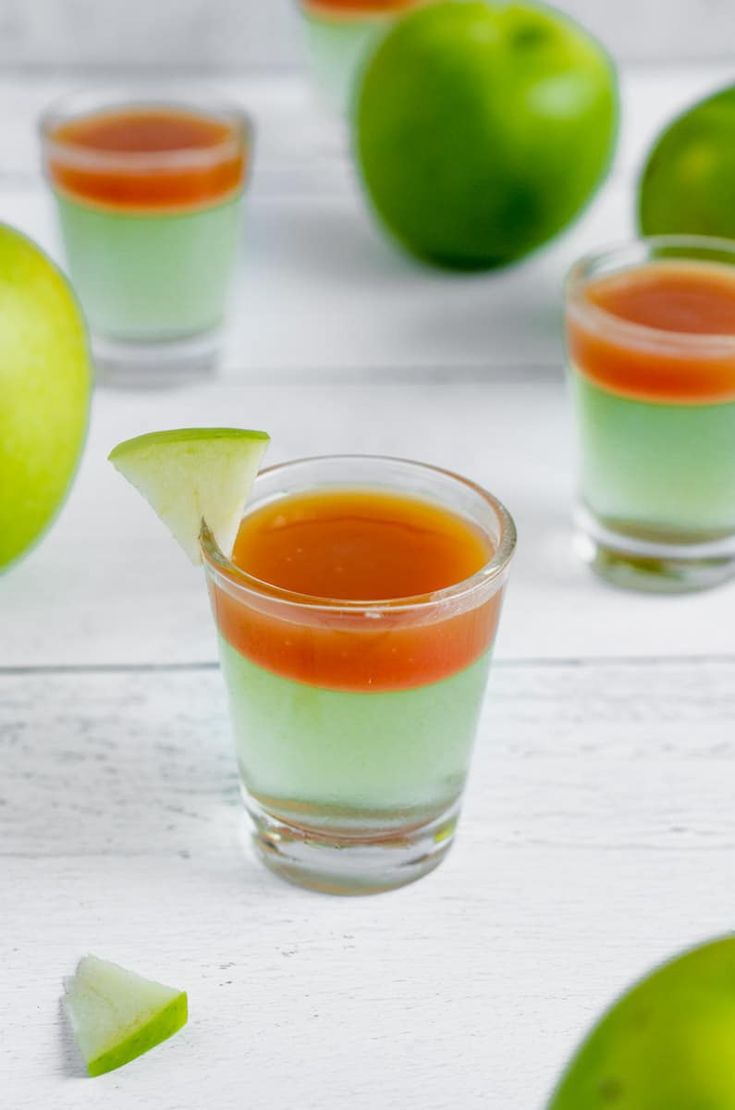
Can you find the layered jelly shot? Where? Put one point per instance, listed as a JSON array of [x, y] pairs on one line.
[[356, 620], [149, 200], [356, 600], [340, 35], [651, 338]]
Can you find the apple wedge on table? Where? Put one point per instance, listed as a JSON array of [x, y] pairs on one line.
[[117, 1015]]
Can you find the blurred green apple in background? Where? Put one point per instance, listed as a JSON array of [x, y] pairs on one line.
[[668, 1044], [45, 384], [688, 183], [482, 129]]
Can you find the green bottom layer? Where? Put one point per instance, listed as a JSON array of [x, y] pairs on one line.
[[337, 50], [332, 760], [147, 277], [656, 471]]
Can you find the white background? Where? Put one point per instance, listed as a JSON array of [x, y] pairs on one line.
[[243, 34]]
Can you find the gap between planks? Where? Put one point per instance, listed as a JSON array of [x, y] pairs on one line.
[[505, 664]]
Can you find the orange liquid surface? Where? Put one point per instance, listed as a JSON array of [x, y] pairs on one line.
[[678, 298], [358, 546], [195, 181]]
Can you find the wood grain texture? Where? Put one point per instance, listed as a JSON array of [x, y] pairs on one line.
[[598, 837], [109, 585], [599, 831], [299, 152], [320, 291]]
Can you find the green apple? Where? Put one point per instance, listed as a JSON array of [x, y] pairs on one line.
[[194, 476], [668, 1044], [688, 182], [483, 128], [117, 1015], [45, 386]]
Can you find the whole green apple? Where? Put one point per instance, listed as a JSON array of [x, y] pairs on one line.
[[688, 183], [668, 1044], [482, 129], [45, 384]]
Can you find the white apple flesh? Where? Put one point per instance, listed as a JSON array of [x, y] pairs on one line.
[[192, 476], [117, 1015]]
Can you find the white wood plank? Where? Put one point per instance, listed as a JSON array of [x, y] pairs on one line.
[[321, 299], [137, 762], [598, 838], [319, 287], [298, 149], [108, 585], [599, 831], [248, 33], [319, 291], [77, 34]]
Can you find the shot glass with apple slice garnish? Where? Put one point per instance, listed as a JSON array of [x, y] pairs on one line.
[[356, 600]]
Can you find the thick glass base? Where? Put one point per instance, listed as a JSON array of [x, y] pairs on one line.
[[132, 364], [354, 865], [641, 563]]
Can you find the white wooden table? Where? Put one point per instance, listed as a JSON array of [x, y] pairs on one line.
[[599, 832]]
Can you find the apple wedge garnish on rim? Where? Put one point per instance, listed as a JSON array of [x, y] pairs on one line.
[[193, 477]]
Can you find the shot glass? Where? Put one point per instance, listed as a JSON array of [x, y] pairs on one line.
[[354, 721], [149, 196], [339, 37], [651, 342]]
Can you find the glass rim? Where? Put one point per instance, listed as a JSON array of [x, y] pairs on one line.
[[637, 252], [348, 11], [493, 570], [86, 103]]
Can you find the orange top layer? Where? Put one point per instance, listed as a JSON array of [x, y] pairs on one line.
[[357, 7], [680, 300], [147, 158], [357, 546]]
